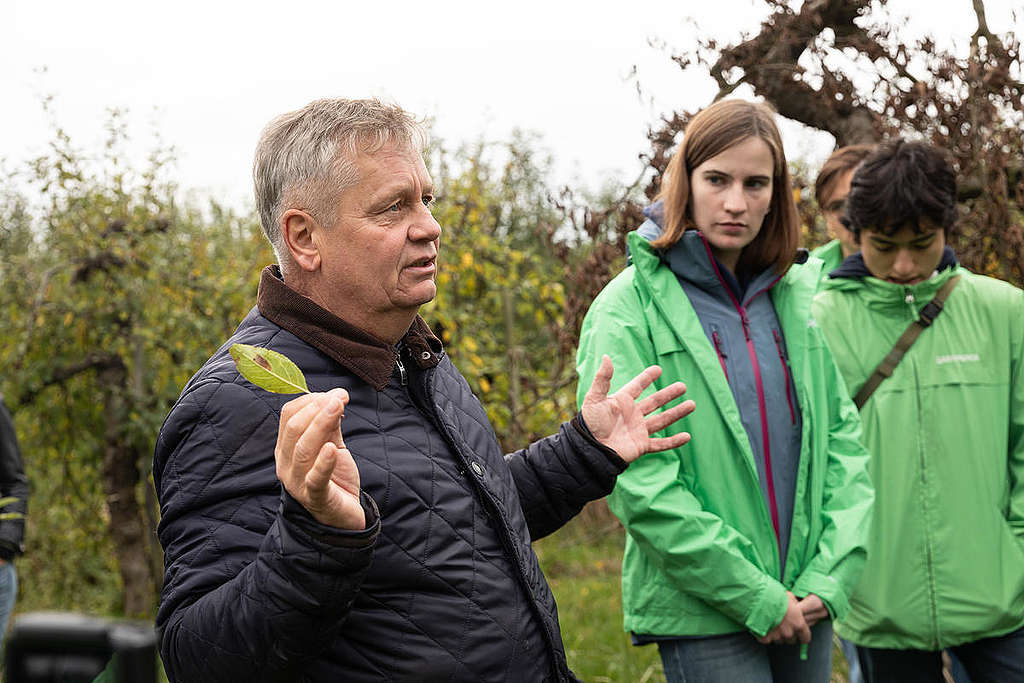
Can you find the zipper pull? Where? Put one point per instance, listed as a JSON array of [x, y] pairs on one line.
[[746, 323], [401, 371]]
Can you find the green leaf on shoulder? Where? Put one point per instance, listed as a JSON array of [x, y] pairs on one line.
[[269, 370]]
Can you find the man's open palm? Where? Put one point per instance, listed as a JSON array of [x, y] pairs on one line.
[[621, 422]]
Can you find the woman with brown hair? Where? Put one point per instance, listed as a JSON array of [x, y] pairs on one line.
[[743, 545]]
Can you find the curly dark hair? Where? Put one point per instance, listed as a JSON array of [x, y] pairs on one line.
[[897, 185]]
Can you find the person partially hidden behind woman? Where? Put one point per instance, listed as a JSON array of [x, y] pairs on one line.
[[743, 545]]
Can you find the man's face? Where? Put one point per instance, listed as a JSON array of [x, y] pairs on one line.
[[833, 207], [379, 259], [907, 256]]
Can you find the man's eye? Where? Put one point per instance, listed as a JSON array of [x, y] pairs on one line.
[[395, 208], [921, 247], [428, 200], [884, 248]]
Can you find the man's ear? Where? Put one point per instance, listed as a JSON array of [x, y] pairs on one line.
[[297, 228]]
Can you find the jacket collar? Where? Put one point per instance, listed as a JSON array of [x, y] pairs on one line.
[[368, 357], [692, 261]]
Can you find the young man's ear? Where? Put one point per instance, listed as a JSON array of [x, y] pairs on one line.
[[297, 228]]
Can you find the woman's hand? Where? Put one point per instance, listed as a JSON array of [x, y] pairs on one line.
[[792, 628]]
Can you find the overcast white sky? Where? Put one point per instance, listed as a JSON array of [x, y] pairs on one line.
[[210, 74]]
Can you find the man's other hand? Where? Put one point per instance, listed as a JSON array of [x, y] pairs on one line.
[[621, 422], [313, 463]]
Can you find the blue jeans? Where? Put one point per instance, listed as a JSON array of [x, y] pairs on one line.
[[989, 660], [8, 592], [739, 658], [850, 652]]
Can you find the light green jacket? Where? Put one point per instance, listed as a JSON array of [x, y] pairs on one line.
[[946, 433], [701, 556], [831, 255]]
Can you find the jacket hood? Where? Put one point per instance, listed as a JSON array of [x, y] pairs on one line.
[[853, 266]]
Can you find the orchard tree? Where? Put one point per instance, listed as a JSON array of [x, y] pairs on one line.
[[113, 295], [846, 68]]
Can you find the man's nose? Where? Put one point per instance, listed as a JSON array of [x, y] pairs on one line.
[[425, 227]]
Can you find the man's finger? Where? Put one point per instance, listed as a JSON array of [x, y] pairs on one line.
[[319, 476], [660, 397], [666, 443], [804, 633], [322, 428], [658, 421], [602, 380], [634, 387], [291, 430]]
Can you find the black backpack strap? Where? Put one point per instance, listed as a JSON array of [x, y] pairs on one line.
[[885, 369]]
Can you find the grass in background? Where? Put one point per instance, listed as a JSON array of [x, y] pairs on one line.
[[583, 562]]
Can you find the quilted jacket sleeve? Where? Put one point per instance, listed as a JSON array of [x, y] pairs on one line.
[[254, 586], [13, 483], [559, 474]]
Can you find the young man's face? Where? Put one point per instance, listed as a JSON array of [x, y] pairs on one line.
[[907, 256]]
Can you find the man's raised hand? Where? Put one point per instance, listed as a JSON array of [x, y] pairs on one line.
[[621, 422], [313, 463]]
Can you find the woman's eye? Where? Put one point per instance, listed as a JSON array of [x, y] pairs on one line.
[[716, 180]]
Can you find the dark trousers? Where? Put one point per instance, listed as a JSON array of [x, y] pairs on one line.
[[990, 660]]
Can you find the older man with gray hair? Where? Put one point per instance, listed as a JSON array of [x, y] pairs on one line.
[[401, 550]]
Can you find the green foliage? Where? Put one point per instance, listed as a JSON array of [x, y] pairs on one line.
[[582, 563], [113, 295], [501, 298], [269, 370]]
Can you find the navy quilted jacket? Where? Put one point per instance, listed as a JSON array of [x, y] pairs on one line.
[[442, 586]]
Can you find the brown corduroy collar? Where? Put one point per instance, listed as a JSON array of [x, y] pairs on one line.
[[369, 358]]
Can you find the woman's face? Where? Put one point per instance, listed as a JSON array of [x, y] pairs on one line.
[[730, 195]]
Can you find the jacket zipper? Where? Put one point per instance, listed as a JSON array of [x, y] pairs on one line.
[[785, 374], [427, 406], [909, 299], [721, 354], [761, 404], [403, 377]]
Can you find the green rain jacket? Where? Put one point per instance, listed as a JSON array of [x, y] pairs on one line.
[[701, 555], [832, 256], [946, 432]]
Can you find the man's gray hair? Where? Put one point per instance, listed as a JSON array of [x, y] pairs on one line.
[[307, 157]]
